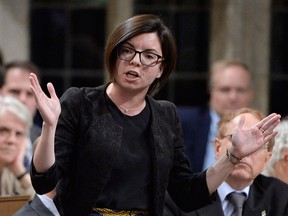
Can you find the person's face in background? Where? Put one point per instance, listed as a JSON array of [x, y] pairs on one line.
[[17, 85], [249, 167], [281, 166], [12, 135], [230, 90]]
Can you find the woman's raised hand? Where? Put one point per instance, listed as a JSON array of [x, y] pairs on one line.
[[49, 107], [246, 142]]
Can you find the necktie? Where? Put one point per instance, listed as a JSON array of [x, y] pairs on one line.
[[237, 200]]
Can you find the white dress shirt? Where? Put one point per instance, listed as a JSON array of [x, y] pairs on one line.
[[223, 190]]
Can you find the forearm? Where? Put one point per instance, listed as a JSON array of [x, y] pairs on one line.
[[44, 156], [217, 173]]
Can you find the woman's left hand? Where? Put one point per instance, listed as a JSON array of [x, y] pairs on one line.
[[246, 142]]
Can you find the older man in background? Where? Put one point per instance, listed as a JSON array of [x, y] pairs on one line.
[[230, 88]]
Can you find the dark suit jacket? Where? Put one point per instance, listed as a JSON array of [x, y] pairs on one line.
[[35, 132], [195, 123], [34, 208], [267, 196], [87, 142]]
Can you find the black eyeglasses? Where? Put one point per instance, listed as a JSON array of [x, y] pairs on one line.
[[146, 58]]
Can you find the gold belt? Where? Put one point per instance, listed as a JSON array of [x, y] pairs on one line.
[[110, 212]]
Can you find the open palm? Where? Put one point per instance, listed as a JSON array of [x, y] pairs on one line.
[[246, 142], [49, 107]]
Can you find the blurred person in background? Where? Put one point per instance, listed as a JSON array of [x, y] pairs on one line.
[[15, 122], [230, 88], [260, 195], [14, 81], [278, 165], [40, 205]]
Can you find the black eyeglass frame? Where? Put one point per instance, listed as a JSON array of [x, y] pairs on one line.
[[140, 54]]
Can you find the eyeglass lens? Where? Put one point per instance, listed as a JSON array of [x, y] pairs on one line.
[[146, 58]]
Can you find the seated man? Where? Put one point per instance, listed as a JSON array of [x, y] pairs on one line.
[[41, 205], [261, 195], [278, 165], [15, 122]]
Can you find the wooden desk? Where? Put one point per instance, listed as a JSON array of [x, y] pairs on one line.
[[10, 204]]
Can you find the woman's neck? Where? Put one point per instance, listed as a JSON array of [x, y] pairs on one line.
[[129, 103]]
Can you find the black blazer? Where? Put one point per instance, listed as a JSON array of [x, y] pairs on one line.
[[87, 141], [195, 123], [34, 208], [267, 196]]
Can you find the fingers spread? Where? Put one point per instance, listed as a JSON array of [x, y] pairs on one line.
[[241, 123], [51, 90]]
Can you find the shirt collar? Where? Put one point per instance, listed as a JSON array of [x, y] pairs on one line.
[[224, 189], [214, 117]]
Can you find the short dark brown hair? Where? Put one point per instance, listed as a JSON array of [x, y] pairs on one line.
[[27, 65]]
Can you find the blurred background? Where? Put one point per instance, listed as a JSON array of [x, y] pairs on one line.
[[66, 40]]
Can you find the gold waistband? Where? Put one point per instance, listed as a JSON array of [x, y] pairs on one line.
[[110, 212]]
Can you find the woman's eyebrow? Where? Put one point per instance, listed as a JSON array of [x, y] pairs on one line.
[[147, 50]]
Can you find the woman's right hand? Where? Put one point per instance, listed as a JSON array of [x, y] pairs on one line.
[[49, 108]]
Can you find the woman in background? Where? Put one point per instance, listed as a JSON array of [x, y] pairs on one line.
[[15, 122]]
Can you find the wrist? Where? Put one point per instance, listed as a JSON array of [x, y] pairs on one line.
[[49, 126], [19, 177], [232, 158]]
